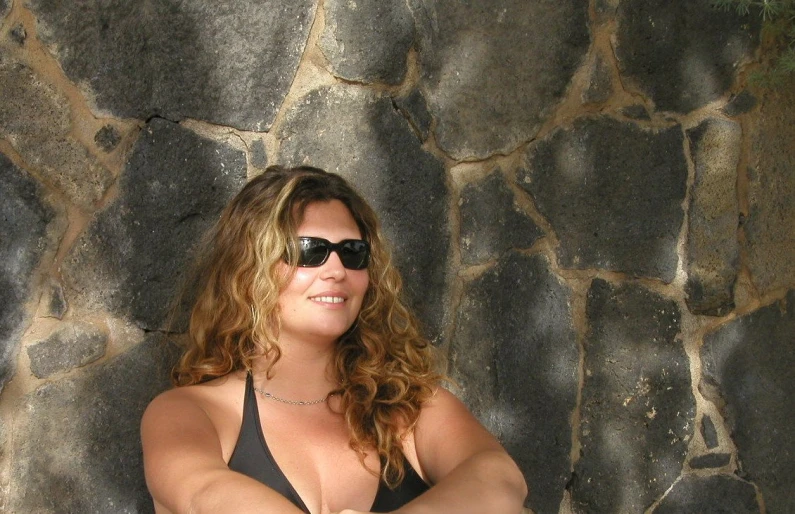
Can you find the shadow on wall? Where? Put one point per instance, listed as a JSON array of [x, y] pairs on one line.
[[637, 408], [357, 133], [81, 451]]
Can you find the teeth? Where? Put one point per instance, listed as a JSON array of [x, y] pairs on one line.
[[328, 299]]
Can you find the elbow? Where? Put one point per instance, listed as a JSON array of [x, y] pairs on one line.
[[200, 500], [505, 485], [515, 482], [189, 498]]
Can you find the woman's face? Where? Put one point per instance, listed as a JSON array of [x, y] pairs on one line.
[[319, 304]]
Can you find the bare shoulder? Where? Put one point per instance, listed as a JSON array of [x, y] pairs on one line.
[[181, 429], [212, 409], [447, 434], [192, 400], [444, 409]]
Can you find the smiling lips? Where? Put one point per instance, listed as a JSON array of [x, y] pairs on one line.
[[327, 299]]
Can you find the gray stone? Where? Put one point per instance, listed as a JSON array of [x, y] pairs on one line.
[[4, 5], [516, 358], [367, 40], [493, 72], [710, 460], [36, 120], [18, 34], [358, 134], [491, 222], [78, 450], [667, 48], [709, 433], [415, 109], [259, 157], [613, 206], [134, 254], [605, 9], [740, 103], [636, 112], [600, 85], [56, 301], [713, 252], [637, 409], [751, 360], [770, 225], [23, 239], [71, 345], [229, 63], [712, 494], [107, 138]]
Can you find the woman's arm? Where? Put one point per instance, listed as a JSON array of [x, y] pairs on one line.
[[470, 470], [184, 466]]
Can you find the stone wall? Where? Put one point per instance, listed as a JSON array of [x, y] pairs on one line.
[[590, 206]]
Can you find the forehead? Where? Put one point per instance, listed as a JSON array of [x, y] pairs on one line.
[[331, 220]]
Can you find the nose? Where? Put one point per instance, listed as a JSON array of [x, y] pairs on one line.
[[333, 268]]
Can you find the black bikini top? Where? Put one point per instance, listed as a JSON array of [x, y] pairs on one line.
[[253, 458]]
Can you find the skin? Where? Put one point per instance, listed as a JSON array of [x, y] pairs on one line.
[[189, 433]]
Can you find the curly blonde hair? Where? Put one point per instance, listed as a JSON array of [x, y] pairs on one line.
[[384, 366]]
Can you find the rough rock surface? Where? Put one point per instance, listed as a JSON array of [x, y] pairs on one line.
[[770, 226], [107, 138], [134, 254], [367, 40], [4, 5], [740, 103], [491, 222], [517, 361], [230, 63], [71, 345], [494, 71], [636, 112], [719, 493], [18, 34], [713, 251], [709, 433], [605, 8], [637, 409], [710, 460], [751, 360], [44, 140], [612, 206], [415, 109], [667, 48], [259, 156], [358, 134], [56, 305], [23, 238], [79, 449], [600, 85]]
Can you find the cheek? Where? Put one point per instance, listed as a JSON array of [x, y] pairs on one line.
[[296, 286], [301, 279], [361, 281]]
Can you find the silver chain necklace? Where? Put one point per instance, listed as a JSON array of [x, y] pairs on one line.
[[266, 394]]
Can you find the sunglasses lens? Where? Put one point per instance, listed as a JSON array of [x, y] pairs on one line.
[[313, 252], [354, 254]]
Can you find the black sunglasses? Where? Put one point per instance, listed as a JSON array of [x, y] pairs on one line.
[[314, 251]]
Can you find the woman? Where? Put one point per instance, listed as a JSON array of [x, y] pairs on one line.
[[306, 386]]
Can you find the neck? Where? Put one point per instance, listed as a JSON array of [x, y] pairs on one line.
[[303, 372]]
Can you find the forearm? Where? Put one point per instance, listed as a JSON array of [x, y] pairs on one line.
[[486, 482], [227, 491]]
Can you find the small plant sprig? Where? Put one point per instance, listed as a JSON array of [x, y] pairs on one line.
[[778, 24]]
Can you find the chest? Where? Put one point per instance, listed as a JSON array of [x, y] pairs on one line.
[[311, 447]]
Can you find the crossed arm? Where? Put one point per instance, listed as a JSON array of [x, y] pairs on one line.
[[185, 470], [470, 470]]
